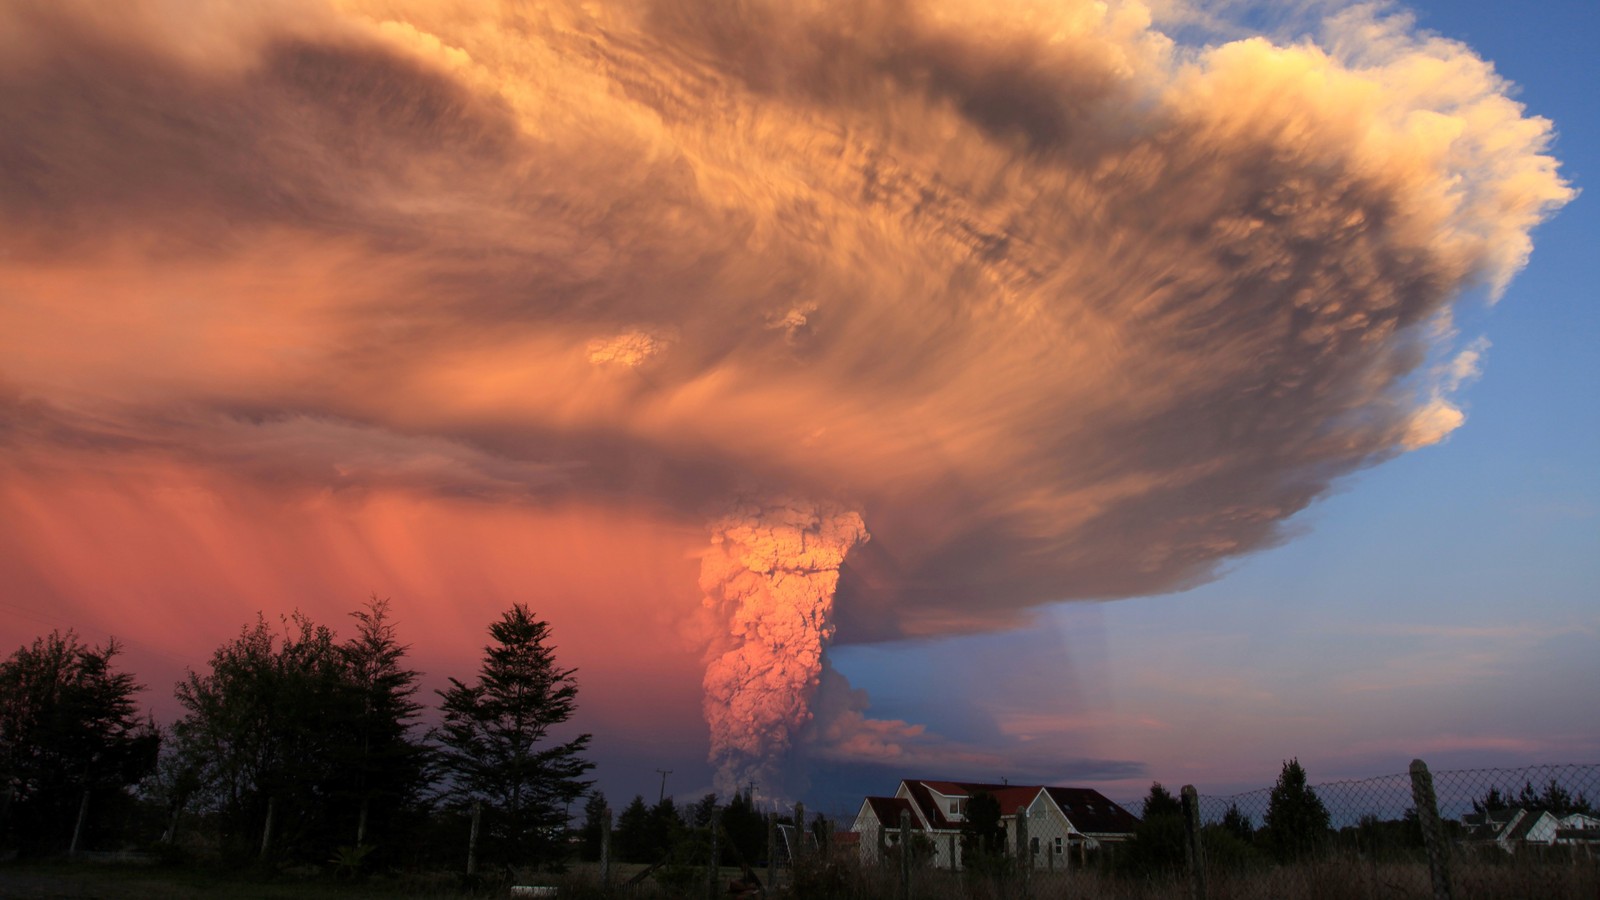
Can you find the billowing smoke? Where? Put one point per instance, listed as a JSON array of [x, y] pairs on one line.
[[770, 576], [1066, 310]]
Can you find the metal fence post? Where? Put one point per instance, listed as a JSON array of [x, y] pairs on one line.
[[905, 854], [1432, 829], [1194, 851]]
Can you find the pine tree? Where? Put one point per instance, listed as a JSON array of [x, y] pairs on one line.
[[666, 826], [1238, 824], [594, 813], [1493, 801], [387, 767], [1158, 840], [1297, 823], [703, 809], [1160, 802], [745, 832], [635, 841], [497, 746]]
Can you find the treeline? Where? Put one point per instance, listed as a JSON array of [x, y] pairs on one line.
[[294, 746], [667, 833], [1298, 827]]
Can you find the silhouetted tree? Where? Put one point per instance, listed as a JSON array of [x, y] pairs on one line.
[[1160, 802], [1159, 838], [386, 768], [1297, 823], [634, 839], [269, 726], [701, 812], [68, 726], [497, 746], [1493, 801], [666, 826], [746, 831], [1555, 798], [594, 812], [983, 835], [1238, 824]]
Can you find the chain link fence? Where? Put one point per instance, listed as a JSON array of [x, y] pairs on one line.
[[1530, 832]]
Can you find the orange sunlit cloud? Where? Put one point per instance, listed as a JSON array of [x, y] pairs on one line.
[[764, 323]]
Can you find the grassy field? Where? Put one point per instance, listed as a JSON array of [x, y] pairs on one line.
[[1326, 880], [121, 881]]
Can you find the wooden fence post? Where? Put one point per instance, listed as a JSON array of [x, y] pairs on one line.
[[952, 852], [472, 838], [605, 847], [905, 854], [77, 830], [772, 850], [799, 850], [1194, 851], [266, 830], [715, 868], [1024, 851], [1432, 830], [171, 834]]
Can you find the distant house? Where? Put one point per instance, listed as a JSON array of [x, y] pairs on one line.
[[1579, 830], [1062, 821], [1511, 829]]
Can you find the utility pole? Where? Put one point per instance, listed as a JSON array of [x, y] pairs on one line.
[[663, 796], [751, 796]]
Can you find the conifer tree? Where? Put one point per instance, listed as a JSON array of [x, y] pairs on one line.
[[1158, 840], [1297, 823], [497, 744], [387, 766], [635, 841], [594, 813]]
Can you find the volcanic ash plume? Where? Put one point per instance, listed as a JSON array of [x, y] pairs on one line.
[[770, 575]]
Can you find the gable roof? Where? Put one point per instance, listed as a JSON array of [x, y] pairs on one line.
[[1496, 818], [1088, 810], [888, 809], [1525, 825], [932, 810], [1091, 812]]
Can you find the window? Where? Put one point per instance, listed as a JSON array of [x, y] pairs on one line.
[[1058, 846], [1033, 846]]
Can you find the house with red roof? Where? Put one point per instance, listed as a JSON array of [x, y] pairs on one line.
[[1064, 824]]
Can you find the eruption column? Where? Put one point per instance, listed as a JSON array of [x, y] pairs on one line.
[[769, 577]]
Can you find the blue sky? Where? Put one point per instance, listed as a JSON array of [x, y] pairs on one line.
[[1443, 605]]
